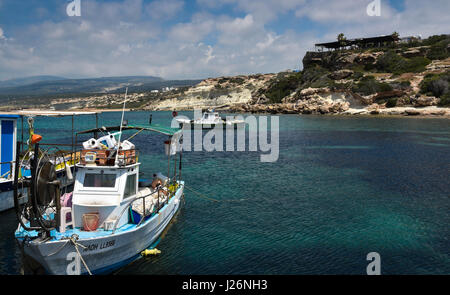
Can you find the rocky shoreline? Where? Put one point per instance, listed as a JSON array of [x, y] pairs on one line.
[[291, 108], [431, 111]]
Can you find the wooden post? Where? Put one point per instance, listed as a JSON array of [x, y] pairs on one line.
[[179, 169], [175, 168], [96, 126], [72, 132], [168, 157], [22, 134]]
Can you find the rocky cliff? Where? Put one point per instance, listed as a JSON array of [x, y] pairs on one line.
[[222, 92], [404, 79]]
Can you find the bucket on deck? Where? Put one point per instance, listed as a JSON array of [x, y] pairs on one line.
[[90, 221]]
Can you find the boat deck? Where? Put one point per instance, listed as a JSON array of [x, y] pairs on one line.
[[100, 232]]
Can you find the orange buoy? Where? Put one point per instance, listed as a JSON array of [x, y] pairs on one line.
[[35, 138]]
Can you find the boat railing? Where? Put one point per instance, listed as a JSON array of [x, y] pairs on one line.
[[144, 215], [56, 153], [63, 158], [107, 157], [60, 160]]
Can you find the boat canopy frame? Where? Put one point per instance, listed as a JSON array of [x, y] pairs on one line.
[[148, 127], [165, 130]]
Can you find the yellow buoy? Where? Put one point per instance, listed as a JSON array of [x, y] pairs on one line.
[[148, 252]]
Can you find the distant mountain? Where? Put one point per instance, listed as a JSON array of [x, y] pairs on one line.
[[75, 87], [28, 80], [43, 86]]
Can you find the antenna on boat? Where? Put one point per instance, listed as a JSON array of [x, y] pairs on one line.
[[120, 131]]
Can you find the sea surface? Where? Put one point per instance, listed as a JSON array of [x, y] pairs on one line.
[[341, 188]]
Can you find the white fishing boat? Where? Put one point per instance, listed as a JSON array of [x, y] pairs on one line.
[[113, 218], [211, 119]]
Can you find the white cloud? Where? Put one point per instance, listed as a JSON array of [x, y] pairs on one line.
[[209, 54], [262, 10], [239, 30], [119, 38], [193, 31], [164, 9], [350, 17]]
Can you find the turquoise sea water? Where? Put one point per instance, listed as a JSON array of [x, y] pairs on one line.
[[341, 188]]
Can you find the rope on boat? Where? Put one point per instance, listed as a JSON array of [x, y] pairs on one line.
[[74, 239], [59, 249]]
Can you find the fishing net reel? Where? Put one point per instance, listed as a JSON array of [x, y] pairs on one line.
[[42, 210]]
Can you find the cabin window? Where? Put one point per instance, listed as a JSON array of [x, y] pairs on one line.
[[130, 186], [99, 180]]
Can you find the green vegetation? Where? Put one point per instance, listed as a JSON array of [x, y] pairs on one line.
[[436, 84], [234, 80], [445, 100], [439, 50], [237, 80], [391, 62], [357, 75], [368, 85], [392, 102], [435, 39], [283, 86], [341, 39]]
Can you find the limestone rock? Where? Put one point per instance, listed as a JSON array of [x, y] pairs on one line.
[[412, 112], [388, 94], [424, 101], [341, 74]]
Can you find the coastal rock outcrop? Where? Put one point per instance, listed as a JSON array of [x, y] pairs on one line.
[[214, 93], [424, 101]]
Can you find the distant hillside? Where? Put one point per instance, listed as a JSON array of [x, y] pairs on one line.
[[28, 80], [44, 91], [65, 86], [105, 92]]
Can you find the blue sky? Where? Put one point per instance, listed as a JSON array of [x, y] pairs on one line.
[[178, 39]]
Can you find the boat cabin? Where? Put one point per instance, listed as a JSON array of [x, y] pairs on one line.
[[103, 188], [8, 140]]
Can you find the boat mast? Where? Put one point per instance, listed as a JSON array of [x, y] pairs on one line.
[[120, 132]]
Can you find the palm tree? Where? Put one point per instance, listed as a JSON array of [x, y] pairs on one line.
[[341, 39], [395, 35]]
